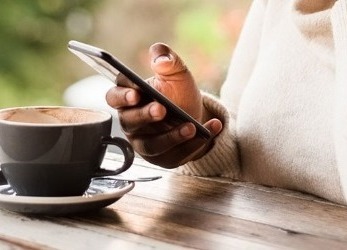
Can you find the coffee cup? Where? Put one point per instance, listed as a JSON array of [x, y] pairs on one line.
[[56, 151]]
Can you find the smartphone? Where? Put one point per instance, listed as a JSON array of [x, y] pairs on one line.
[[109, 66]]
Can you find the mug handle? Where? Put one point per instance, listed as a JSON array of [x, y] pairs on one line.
[[128, 153]]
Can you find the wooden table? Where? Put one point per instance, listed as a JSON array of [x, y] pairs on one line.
[[183, 212]]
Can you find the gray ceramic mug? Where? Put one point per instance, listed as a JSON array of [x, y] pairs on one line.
[[56, 151]]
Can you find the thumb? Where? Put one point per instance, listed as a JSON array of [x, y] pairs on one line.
[[214, 125], [164, 61]]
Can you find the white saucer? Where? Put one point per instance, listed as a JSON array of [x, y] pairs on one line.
[[100, 193]]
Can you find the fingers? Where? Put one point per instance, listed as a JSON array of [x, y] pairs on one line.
[[134, 109], [120, 97], [132, 120], [146, 123], [182, 137], [215, 126], [131, 115], [159, 144], [124, 94]]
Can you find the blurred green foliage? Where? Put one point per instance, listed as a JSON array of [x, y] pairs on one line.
[[194, 26], [36, 67], [206, 46], [32, 35]]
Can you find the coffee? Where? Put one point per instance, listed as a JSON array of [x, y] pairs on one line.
[[55, 151], [52, 115]]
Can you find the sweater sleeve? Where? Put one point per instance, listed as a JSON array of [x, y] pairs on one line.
[[222, 159]]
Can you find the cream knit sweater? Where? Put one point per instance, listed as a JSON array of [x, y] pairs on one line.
[[284, 102]]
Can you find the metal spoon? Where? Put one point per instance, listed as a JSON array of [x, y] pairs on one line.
[[124, 178], [116, 178]]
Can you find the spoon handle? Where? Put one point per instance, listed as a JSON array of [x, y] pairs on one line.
[[122, 178]]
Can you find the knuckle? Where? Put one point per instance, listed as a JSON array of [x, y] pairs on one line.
[[144, 114], [114, 97], [110, 96]]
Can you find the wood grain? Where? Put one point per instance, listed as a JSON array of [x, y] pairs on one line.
[[186, 212]]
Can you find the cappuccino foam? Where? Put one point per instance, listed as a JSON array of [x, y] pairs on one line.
[[57, 115]]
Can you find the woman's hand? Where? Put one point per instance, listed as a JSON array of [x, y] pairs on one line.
[[145, 123]]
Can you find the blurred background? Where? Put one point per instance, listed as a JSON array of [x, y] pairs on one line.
[[36, 67]]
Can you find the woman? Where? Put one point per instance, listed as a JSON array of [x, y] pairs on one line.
[[282, 115]]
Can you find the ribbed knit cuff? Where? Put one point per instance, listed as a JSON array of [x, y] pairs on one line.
[[222, 159]]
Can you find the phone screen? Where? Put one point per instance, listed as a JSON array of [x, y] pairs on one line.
[[109, 66]]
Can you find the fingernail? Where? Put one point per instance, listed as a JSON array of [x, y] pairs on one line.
[[154, 112], [185, 131], [129, 96], [162, 58]]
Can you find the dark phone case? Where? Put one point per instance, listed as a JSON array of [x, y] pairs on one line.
[[109, 66]]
